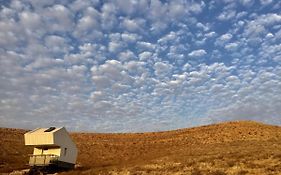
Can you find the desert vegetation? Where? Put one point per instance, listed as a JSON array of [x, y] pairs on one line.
[[227, 148]]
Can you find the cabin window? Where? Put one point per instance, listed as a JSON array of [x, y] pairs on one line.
[[65, 149]]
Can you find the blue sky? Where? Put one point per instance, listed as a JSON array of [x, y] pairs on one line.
[[134, 66]]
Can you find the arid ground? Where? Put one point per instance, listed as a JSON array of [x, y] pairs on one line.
[[238, 148]]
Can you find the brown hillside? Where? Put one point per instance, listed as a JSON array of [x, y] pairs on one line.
[[226, 148]]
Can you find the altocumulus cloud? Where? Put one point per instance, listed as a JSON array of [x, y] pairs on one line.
[[132, 66]]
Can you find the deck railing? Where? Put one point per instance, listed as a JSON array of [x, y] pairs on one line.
[[42, 159]]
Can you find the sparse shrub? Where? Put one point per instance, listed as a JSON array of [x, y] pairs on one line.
[[196, 171], [231, 163], [242, 172], [148, 171], [272, 169], [253, 165], [218, 172], [277, 156], [191, 163]]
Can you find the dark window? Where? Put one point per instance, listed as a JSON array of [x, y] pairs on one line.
[[50, 129], [65, 151]]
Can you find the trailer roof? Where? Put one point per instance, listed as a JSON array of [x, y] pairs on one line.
[[44, 130]]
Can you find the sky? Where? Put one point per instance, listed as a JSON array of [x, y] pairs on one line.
[[139, 65]]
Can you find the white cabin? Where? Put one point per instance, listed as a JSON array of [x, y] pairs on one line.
[[51, 146]]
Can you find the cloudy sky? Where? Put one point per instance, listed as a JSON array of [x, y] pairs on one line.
[[133, 66]]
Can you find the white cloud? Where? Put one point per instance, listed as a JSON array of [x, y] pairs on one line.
[[197, 53], [115, 47], [202, 26], [130, 37], [162, 69], [257, 27], [241, 15], [112, 68], [225, 37], [41, 4], [111, 74], [87, 23], [119, 88], [126, 6], [131, 25], [56, 44], [127, 55], [269, 35], [8, 34], [247, 3], [176, 10], [210, 34], [59, 18], [98, 96], [265, 2], [196, 7], [186, 67], [101, 82], [81, 5], [145, 56], [157, 10], [115, 37], [135, 67], [145, 46], [43, 63], [30, 20], [227, 15], [269, 19], [172, 36], [108, 18], [231, 46]]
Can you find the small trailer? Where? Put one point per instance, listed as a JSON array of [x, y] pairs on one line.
[[53, 150]]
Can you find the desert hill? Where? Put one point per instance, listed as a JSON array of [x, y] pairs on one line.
[[243, 147]]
